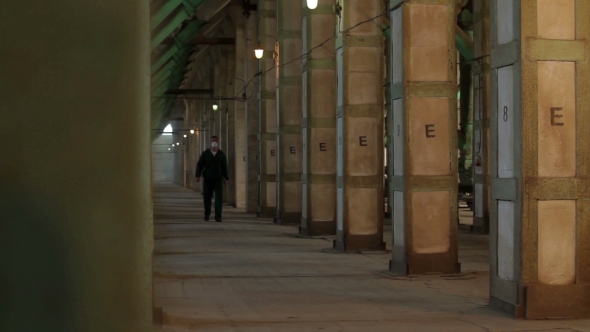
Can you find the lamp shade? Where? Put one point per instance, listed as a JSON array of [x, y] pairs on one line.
[[215, 107], [312, 4], [259, 52]]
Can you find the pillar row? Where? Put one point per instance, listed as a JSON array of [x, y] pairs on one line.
[[359, 112], [423, 129], [267, 110], [319, 123], [288, 96], [540, 207]]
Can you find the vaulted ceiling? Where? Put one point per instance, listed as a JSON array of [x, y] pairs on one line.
[[184, 33]]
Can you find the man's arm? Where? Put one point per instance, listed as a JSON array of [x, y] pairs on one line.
[[200, 166]]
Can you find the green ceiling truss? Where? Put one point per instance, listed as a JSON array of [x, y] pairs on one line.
[[170, 67]]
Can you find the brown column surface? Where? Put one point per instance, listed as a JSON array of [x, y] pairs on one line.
[[424, 135], [268, 109], [319, 123], [289, 151], [360, 108], [540, 210]]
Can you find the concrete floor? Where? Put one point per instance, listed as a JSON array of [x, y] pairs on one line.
[[247, 274]]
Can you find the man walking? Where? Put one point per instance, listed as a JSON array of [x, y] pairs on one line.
[[212, 166]]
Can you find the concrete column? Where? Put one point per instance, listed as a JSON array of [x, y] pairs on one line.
[[360, 107], [240, 127], [251, 67], [289, 113], [481, 115], [231, 127], [539, 211], [319, 122], [267, 109], [75, 195], [423, 129], [222, 114]]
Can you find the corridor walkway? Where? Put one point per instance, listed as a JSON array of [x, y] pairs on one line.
[[247, 274]]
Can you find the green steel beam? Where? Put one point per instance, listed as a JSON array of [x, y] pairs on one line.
[[178, 18], [157, 102], [161, 14], [164, 58], [163, 84], [164, 70], [191, 5], [464, 43], [189, 30], [160, 91], [158, 83]]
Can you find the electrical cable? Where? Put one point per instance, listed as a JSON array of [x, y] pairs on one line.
[[262, 74]]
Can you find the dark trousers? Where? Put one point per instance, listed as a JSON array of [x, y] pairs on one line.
[[210, 186]]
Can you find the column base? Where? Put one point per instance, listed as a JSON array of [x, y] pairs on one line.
[[557, 301], [480, 226], [356, 243], [516, 311], [317, 228], [419, 264], [267, 212], [288, 218]]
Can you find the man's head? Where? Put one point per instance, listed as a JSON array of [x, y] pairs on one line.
[[214, 143]]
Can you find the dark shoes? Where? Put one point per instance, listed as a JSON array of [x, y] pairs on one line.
[[218, 219], [206, 218]]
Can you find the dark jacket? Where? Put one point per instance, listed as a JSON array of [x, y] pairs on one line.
[[211, 166]]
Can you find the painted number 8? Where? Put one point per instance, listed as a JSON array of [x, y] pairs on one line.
[[398, 130], [505, 115]]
